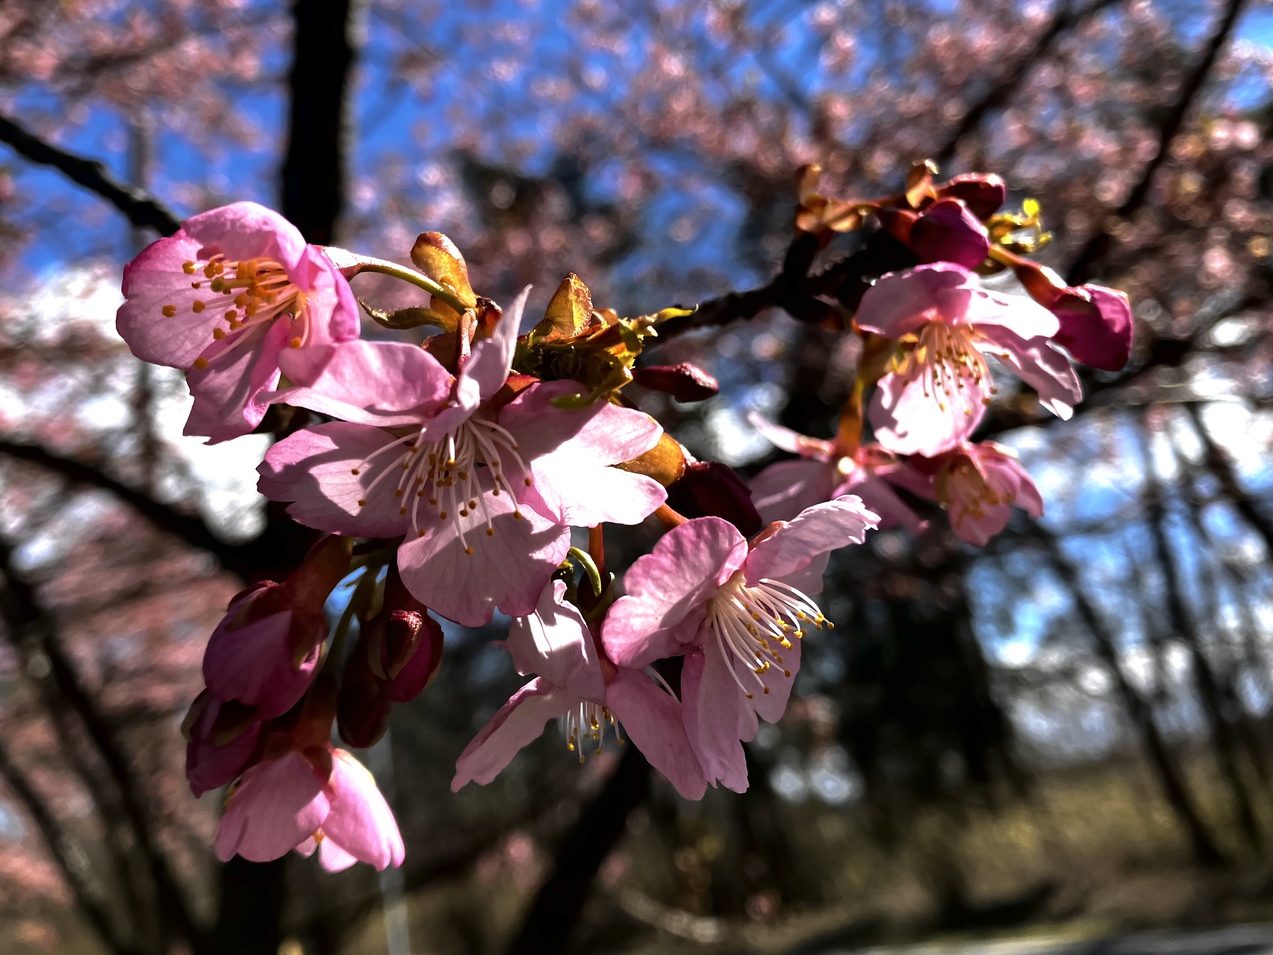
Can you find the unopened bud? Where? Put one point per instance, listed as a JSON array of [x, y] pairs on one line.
[[712, 489], [363, 706], [684, 382], [983, 194], [947, 232]]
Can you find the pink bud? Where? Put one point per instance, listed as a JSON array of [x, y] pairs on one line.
[[982, 194], [1096, 326], [266, 650], [222, 742], [947, 232], [712, 489], [684, 382]]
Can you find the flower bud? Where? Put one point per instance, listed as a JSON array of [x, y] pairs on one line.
[[684, 382], [221, 743], [983, 194], [266, 650], [363, 706], [947, 232], [712, 489]]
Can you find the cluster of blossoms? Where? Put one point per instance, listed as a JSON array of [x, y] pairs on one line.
[[448, 476]]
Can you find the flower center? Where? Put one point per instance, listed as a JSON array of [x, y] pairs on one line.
[[586, 723], [444, 475], [752, 624], [968, 487], [950, 362], [249, 294]]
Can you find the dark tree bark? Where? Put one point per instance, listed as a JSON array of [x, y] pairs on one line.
[[1161, 759], [555, 910]]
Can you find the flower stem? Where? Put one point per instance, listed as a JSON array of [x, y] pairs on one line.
[[352, 264]]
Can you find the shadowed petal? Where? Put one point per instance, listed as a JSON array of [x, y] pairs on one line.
[[653, 720], [519, 721]]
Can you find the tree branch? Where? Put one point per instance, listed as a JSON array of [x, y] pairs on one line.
[[556, 908], [143, 210], [67, 856], [32, 629], [1064, 21], [1098, 246], [190, 529]]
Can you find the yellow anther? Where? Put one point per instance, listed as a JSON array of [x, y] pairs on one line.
[[188, 268], [197, 306], [218, 333], [169, 311], [201, 363]]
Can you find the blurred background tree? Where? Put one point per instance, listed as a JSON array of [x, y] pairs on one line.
[[1071, 724]]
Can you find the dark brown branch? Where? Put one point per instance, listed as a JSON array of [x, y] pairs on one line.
[[64, 854], [191, 530], [32, 629], [555, 910], [1063, 22], [797, 292], [1086, 263], [1170, 778], [142, 210], [1188, 630], [313, 175]]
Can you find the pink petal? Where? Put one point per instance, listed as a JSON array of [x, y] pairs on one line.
[[387, 384], [783, 490], [232, 394], [771, 703], [570, 453], [151, 281], [788, 440], [1019, 314], [800, 544], [909, 418], [554, 643], [668, 588], [1041, 367], [246, 230], [360, 821], [653, 720], [903, 302], [333, 858], [507, 569], [877, 495], [332, 309], [314, 468], [491, 358], [717, 718], [947, 232], [1096, 326], [519, 721], [277, 806]]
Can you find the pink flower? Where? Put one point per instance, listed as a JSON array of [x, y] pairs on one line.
[[318, 796], [587, 693], [265, 652], [223, 298], [935, 397], [444, 464], [732, 609], [783, 490], [978, 484]]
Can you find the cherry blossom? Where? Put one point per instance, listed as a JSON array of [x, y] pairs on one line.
[[306, 798], [222, 299], [737, 612], [447, 464], [588, 693], [978, 484], [821, 473], [935, 396]]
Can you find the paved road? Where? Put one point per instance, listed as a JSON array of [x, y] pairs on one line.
[[1235, 940]]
